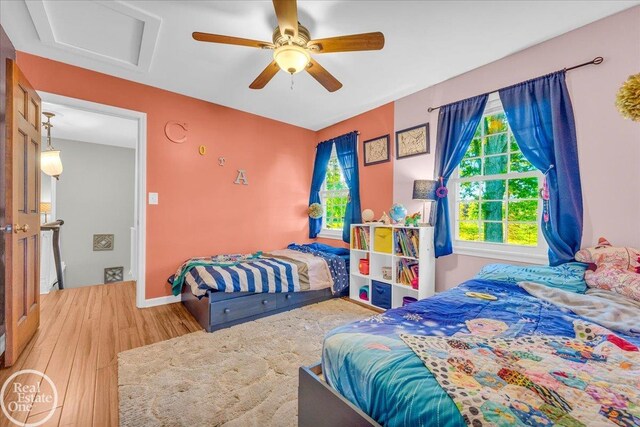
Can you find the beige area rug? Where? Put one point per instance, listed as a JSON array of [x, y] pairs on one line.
[[246, 375]]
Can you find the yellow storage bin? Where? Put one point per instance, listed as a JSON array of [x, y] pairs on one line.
[[383, 239]]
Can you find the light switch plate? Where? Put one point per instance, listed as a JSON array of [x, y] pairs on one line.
[[153, 198]]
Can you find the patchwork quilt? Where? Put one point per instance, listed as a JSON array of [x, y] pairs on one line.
[[520, 359], [538, 380]]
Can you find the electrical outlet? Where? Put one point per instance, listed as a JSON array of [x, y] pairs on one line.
[[153, 198]]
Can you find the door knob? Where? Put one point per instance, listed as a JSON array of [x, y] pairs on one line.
[[24, 228]]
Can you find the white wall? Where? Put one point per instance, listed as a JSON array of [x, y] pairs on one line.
[[95, 195], [609, 146]]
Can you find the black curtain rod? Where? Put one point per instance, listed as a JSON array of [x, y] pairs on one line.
[[356, 131], [596, 61]]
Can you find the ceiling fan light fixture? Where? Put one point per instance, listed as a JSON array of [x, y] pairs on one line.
[[291, 58]]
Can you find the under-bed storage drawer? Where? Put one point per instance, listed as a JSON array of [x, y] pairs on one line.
[[286, 299], [238, 308]]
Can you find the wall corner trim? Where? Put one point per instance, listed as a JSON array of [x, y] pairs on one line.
[[153, 302]]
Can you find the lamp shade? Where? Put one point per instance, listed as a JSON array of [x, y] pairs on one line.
[[50, 163], [291, 58], [424, 189], [45, 207]]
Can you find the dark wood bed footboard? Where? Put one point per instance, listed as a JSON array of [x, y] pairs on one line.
[[319, 405]]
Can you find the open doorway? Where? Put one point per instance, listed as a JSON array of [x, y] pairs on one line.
[[98, 200]]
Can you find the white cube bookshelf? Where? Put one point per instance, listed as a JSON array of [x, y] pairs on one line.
[[377, 259]]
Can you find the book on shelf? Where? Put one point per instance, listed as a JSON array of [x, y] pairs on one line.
[[361, 238], [407, 271], [407, 242]]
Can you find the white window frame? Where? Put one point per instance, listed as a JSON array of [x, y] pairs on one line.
[[502, 251], [330, 233]]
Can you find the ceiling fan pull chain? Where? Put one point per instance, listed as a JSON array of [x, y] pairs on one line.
[[291, 81]]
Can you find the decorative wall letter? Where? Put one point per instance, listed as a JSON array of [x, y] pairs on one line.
[[176, 132], [221, 161], [202, 150], [241, 178]]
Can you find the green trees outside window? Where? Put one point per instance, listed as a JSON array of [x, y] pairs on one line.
[[497, 189], [334, 196]]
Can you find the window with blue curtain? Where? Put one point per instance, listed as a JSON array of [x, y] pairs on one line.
[[336, 186], [513, 166]]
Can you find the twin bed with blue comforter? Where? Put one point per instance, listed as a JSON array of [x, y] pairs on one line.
[[392, 364]]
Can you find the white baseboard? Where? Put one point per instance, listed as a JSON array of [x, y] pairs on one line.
[[153, 302]]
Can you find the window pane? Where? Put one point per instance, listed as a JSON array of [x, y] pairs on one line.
[[523, 188], [496, 144], [523, 234], [523, 211], [494, 190], [468, 211], [493, 232], [336, 207], [474, 148], [470, 167], [470, 190], [335, 180], [469, 231], [520, 164], [512, 143], [495, 124], [494, 211], [495, 165]]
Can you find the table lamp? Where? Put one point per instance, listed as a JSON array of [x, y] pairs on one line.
[[45, 209], [425, 190]]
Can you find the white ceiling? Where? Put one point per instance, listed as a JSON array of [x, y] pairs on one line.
[[88, 126], [426, 42]]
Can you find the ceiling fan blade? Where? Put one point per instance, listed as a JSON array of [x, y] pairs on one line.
[[354, 42], [287, 14], [323, 77], [265, 76], [217, 38]]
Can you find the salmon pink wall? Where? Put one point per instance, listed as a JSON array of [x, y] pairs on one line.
[[376, 181], [201, 211]]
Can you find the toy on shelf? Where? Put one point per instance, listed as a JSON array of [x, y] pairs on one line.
[[385, 219], [368, 215], [397, 213], [364, 293], [386, 273], [413, 220], [363, 267], [612, 268]]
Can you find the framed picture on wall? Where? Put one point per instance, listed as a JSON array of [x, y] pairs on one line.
[[413, 141], [376, 150]]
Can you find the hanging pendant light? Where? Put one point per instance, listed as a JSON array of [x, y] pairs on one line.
[[50, 162]]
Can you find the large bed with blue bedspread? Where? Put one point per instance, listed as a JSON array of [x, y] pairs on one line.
[[380, 364]]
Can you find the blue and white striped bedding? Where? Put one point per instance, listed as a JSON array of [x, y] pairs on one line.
[[289, 270]]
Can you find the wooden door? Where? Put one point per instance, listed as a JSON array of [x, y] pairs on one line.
[[22, 181]]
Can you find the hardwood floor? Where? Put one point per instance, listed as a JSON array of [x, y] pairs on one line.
[[81, 332]]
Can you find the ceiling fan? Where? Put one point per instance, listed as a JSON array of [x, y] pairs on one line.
[[292, 47]]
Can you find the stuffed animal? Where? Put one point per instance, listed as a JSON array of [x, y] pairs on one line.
[[612, 268]]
